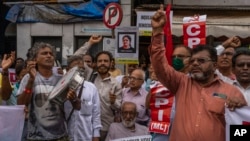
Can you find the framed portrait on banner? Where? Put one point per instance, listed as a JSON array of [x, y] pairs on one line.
[[127, 42]]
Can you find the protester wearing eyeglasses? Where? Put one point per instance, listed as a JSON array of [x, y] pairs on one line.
[[128, 127], [137, 94], [225, 54], [200, 98]]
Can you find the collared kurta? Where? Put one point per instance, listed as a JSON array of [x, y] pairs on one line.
[[118, 131], [84, 124], [199, 113]]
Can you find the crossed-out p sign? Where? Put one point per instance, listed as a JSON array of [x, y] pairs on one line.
[[112, 15]]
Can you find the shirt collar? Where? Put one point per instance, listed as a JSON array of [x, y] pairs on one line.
[[236, 83], [139, 91]]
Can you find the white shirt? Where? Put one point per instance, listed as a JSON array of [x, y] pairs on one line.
[[245, 92], [85, 123]]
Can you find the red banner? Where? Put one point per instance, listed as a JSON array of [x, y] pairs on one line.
[[161, 103], [12, 75], [194, 31], [168, 36]]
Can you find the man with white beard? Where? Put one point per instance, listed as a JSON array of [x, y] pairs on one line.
[[128, 127]]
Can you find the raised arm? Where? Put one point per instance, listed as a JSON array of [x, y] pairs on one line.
[[85, 47], [230, 42], [25, 89], [165, 73], [6, 88]]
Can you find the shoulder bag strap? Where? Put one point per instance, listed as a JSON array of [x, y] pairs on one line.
[[79, 96]]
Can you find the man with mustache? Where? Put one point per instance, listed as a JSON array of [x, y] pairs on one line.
[[241, 69], [46, 119], [128, 127], [137, 94], [109, 91], [87, 58], [84, 124], [225, 53], [201, 98]]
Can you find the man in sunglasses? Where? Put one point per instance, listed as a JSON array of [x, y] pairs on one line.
[[46, 119], [200, 98]]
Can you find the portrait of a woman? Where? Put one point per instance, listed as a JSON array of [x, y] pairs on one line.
[[126, 45]]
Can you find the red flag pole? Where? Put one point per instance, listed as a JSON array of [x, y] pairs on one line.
[[168, 36]]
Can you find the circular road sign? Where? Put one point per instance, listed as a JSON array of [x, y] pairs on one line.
[[112, 15]]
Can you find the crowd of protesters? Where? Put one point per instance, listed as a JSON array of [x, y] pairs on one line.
[[112, 105]]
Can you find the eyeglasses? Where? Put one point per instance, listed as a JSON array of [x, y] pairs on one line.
[[128, 113], [227, 54], [179, 56], [199, 60], [134, 78]]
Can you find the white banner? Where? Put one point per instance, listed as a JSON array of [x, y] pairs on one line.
[[136, 138], [237, 117], [11, 122], [195, 18], [144, 22], [109, 45]]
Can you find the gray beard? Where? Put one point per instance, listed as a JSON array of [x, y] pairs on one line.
[[128, 124], [201, 76]]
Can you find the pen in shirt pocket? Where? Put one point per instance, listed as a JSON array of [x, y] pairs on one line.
[[218, 95]]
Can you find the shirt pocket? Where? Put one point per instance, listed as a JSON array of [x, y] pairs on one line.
[[216, 105], [86, 105], [141, 111]]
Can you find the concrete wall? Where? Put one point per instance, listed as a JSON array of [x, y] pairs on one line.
[[68, 32], [233, 3]]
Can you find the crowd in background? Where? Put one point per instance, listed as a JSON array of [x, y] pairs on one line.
[[111, 105]]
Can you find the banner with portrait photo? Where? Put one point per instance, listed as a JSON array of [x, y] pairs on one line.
[[127, 45]]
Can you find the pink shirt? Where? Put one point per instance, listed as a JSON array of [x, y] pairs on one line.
[[199, 114], [139, 99]]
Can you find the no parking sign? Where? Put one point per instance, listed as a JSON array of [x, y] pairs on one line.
[[112, 15]]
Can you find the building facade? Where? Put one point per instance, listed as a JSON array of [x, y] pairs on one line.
[[225, 18]]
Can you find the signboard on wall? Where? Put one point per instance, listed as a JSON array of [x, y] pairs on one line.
[[144, 22]]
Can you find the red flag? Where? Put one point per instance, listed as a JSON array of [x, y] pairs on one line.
[[168, 35]]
